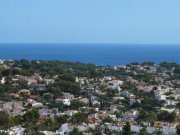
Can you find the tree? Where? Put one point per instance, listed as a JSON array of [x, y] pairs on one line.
[[77, 104], [143, 131], [6, 72], [177, 69], [16, 120], [166, 116], [25, 64], [49, 123], [178, 105], [22, 84], [159, 131], [33, 130], [67, 77], [108, 120], [31, 116], [75, 132], [148, 63], [146, 116], [0, 76], [56, 90], [60, 106], [168, 65], [178, 129], [79, 118], [67, 86], [4, 133], [4, 120], [62, 119], [48, 97], [97, 130], [127, 129]]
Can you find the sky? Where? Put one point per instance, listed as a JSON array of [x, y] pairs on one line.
[[90, 21]]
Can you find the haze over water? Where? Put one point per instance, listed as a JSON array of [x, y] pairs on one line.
[[91, 53]]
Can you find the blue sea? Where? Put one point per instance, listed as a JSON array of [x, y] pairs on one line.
[[99, 54]]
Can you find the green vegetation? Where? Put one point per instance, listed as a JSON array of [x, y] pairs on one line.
[[166, 116], [31, 116], [178, 129], [127, 129], [4, 120], [79, 118]]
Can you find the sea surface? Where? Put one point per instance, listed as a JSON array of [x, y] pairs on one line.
[[99, 54]]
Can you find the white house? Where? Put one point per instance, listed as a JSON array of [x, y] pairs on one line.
[[114, 84], [170, 102], [169, 130], [115, 127], [108, 78], [160, 97], [3, 80], [81, 80], [17, 130], [151, 130], [135, 128], [64, 129], [159, 92], [49, 81], [1, 61], [70, 112], [68, 96], [96, 102], [168, 109], [132, 101], [66, 102], [37, 105]]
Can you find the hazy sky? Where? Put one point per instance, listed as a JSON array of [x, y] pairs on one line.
[[90, 21]]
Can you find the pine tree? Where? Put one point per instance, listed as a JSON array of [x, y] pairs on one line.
[[127, 129]]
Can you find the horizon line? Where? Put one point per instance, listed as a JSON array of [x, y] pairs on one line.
[[21, 43]]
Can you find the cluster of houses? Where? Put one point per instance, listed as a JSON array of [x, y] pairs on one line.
[[98, 109]]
